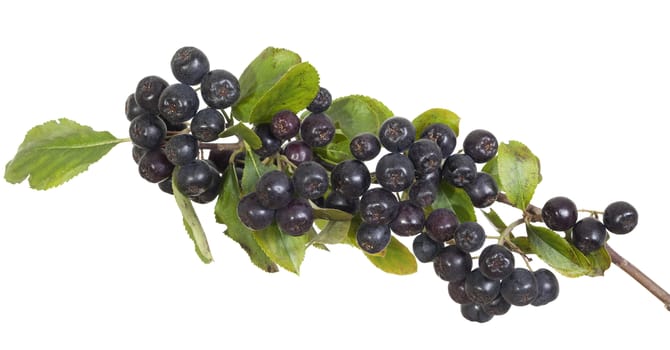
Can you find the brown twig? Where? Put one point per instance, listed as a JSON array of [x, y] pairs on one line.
[[535, 214]]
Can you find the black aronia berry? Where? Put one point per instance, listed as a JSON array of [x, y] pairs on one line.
[[298, 173]]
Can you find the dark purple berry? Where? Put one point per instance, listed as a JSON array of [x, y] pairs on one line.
[[254, 215], [496, 262], [296, 218], [373, 238], [396, 134], [138, 153], [481, 289], [298, 152], [195, 178], [409, 219], [620, 217], [457, 293], [426, 156], [499, 306], [317, 130], [519, 288], [178, 103], [442, 135], [148, 91], [547, 287], [310, 180], [588, 235], [483, 191], [378, 206], [481, 145], [269, 144], [395, 172], [469, 236], [207, 124], [365, 146], [166, 185], [181, 149], [132, 108], [285, 125], [351, 178], [559, 213], [213, 191], [423, 192], [321, 102], [154, 166], [475, 313], [425, 249], [220, 89], [189, 65], [336, 200], [452, 264], [441, 224], [147, 131], [459, 170], [274, 189]]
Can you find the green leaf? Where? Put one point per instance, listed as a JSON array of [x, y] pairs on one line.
[[286, 250], [495, 220], [243, 132], [331, 214], [253, 170], [226, 213], [397, 259], [523, 244], [455, 199], [355, 114], [558, 253], [436, 115], [333, 233], [600, 262], [192, 224], [273, 81], [293, 91], [56, 151], [336, 151], [491, 168], [518, 171]]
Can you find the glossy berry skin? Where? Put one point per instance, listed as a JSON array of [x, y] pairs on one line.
[[483, 191], [559, 213], [310, 180], [499, 306], [351, 178], [452, 264], [457, 293], [373, 238], [296, 218], [317, 130], [442, 135], [207, 124], [620, 217], [426, 156], [480, 289], [154, 166], [475, 313], [409, 219], [274, 189], [547, 287], [481, 145], [189, 65], [195, 178], [132, 108], [396, 134], [173, 126], [181, 149], [138, 153], [365, 146], [285, 125], [469, 236], [269, 143], [148, 91], [254, 215], [147, 131], [395, 172], [519, 288], [178, 103], [459, 170], [423, 192], [424, 248], [378, 206], [321, 101], [336, 200], [496, 262], [219, 89], [441, 224], [589, 235], [298, 152]]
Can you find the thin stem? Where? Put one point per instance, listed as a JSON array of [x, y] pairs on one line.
[[222, 146], [534, 214], [639, 276], [504, 236]]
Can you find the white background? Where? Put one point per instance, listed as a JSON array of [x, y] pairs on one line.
[[103, 261]]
